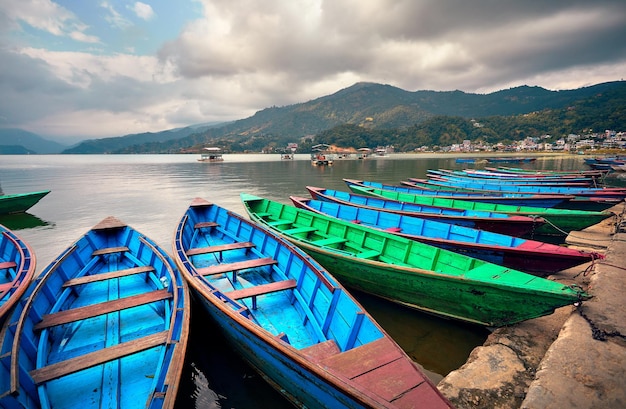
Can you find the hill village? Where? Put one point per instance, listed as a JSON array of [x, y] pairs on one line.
[[572, 143]]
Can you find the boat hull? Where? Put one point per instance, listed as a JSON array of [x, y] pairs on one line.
[[21, 202]]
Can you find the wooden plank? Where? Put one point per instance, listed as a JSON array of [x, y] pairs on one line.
[[205, 224], [321, 350], [219, 248], [99, 357], [7, 264], [279, 222], [369, 254], [261, 289], [81, 313], [107, 276], [6, 287], [239, 265], [110, 250], [329, 241]]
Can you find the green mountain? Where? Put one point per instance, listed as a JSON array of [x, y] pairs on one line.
[[115, 144], [19, 142], [369, 114]]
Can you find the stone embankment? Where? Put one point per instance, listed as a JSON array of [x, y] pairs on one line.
[[574, 358]]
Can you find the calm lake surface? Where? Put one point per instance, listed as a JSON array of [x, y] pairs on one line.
[[151, 193]]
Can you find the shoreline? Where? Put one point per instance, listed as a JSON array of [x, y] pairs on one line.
[[571, 358]]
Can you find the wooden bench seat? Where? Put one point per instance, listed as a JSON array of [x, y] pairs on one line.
[[298, 230], [92, 278], [368, 254], [260, 290], [202, 225], [7, 264], [6, 287], [110, 250], [81, 313], [236, 266], [220, 248], [279, 222], [99, 357]]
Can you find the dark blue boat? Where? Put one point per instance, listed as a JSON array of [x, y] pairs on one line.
[[485, 187], [516, 199], [525, 255], [291, 320], [574, 202], [491, 221], [527, 180]]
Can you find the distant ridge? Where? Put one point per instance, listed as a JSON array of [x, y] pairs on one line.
[[371, 106], [14, 141]]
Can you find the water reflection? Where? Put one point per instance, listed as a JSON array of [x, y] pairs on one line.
[[21, 221]]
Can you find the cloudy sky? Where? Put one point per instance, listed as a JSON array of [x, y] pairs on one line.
[[73, 70]]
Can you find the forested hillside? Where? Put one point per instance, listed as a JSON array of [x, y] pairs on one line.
[[369, 114]]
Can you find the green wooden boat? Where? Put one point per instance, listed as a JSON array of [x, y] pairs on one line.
[[412, 273], [20, 202], [559, 222]]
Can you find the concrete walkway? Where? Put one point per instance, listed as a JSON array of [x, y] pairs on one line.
[[574, 358]]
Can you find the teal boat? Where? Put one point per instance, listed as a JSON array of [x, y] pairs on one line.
[[414, 274], [559, 222], [20, 202], [105, 325]]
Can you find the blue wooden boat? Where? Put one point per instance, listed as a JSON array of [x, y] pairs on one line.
[[291, 320], [513, 199], [482, 176], [559, 222], [534, 176], [496, 222], [411, 273], [531, 256], [20, 202], [17, 268], [574, 202], [601, 192], [104, 325], [510, 160], [592, 174]]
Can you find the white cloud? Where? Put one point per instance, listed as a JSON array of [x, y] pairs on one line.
[[240, 56], [143, 10], [113, 17], [47, 16]]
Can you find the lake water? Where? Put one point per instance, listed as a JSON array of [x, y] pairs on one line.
[[151, 193]]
